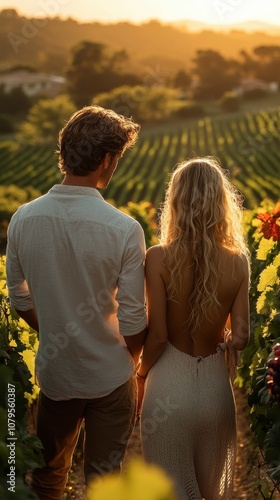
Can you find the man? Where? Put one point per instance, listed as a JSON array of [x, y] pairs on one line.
[[75, 274]]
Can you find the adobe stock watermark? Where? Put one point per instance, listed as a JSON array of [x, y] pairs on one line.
[[162, 410], [224, 7], [86, 310], [127, 102], [11, 445], [30, 27], [258, 142]]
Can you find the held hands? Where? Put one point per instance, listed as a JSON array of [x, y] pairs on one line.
[[141, 388]]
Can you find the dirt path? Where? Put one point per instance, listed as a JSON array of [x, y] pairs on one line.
[[246, 473]]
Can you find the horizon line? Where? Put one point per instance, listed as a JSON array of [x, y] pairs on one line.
[[217, 25]]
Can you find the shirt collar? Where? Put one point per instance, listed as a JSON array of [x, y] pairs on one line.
[[82, 190]]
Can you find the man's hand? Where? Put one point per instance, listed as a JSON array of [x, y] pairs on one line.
[[135, 344], [141, 389]]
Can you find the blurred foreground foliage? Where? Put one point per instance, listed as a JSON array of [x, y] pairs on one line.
[[140, 481]]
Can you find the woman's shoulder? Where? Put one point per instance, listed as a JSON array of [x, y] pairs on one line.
[[240, 263], [239, 257], [155, 251], [155, 254]]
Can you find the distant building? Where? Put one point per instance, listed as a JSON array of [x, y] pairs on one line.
[[249, 84], [33, 84]]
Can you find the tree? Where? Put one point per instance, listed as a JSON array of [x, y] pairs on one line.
[[268, 62], [93, 69], [215, 74], [248, 64], [46, 118], [143, 103], [229, 102], [11, 13], [267, 52], [6, 124], [182, 80], [12, 196], [263, 64], [14, 102]]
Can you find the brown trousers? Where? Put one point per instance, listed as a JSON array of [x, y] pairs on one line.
[[109, 422]]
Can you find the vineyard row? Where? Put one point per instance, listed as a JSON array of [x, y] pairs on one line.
[[248, 147]]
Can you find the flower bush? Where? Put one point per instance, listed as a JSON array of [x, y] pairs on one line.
[[263, 230]]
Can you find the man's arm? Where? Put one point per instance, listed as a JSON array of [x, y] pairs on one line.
[[30, 318], [131, 293], [135, 344], [17, 286]]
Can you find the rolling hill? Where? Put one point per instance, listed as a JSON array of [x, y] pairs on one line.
[[47, 43]]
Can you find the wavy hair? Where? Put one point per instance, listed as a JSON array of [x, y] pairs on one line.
[[89, 135], [200, 217]]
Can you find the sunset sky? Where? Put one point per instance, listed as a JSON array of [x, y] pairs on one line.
[[209, 11]]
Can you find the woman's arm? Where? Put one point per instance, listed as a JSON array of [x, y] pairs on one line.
[[156, 305], [240, 314]]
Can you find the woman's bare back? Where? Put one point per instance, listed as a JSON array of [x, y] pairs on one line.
[[210, 331]]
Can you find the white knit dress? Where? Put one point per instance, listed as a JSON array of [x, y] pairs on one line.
[[188, 423]]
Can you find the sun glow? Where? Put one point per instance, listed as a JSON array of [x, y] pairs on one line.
[[206, 11]]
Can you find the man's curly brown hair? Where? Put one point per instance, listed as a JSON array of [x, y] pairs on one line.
[[89, 135]]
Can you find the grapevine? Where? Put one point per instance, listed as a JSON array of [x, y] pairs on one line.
[[240, 143]]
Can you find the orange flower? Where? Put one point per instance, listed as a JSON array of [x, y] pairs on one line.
[[270, 226]]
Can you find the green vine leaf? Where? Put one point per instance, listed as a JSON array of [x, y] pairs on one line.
[[275, 474], [265, 247], [265, 300], [264, 396], [272, 437], [268, 277], [4, 354]]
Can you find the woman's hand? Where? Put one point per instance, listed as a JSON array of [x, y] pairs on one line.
[[141, 388]]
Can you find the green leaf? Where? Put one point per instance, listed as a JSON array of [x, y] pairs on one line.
[[272, 451], [275, 473], [268, 277], [264, 396], [264, 301], [276, 261], [273, 414], [258, 337], [274, 328], [20, 345], [4, 354], [264, 248]]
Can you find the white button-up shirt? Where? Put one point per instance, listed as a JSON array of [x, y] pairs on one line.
[[80, 263]]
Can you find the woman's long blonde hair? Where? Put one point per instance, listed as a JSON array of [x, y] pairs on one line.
[[201, 216]]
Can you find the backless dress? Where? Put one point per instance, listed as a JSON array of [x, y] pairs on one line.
[[188, 423]]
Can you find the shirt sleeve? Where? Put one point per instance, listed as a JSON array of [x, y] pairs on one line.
[[17, 286], [131, 287]]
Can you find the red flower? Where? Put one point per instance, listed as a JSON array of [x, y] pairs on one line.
[[271, 224]]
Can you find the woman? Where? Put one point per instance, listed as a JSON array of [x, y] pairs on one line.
[[197, 281]]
